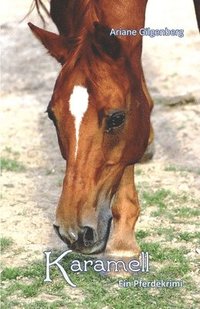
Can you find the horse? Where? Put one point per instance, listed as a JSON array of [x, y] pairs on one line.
[[101, 109]]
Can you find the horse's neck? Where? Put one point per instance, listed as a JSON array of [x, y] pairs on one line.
[[128, 14], [75, 20], [72, 16], [125, 14]]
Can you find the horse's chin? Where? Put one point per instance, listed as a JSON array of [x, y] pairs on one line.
[[96, 248]]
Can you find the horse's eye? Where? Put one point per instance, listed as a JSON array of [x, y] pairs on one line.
[[114, 121]]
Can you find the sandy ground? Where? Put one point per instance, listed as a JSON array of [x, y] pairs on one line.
[[29, 199]]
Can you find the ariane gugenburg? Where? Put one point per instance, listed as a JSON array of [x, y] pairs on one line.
[[148, 32]]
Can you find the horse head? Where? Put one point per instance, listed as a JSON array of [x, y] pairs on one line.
[[101, 116]]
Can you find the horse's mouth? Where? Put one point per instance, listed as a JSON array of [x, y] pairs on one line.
[[97, 247]]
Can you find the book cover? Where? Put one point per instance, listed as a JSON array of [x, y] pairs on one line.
[[100, 167]]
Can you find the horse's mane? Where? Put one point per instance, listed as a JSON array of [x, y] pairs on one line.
[[81, 20], [76, 12]]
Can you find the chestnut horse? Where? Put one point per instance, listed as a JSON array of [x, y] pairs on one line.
[[101, 111]]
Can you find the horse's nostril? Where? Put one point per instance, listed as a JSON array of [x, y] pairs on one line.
[[88, 236]]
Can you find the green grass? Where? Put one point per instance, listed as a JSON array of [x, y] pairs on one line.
[[138, 171], [156, 198], [159, 199], [164, 200], [186, 236], [169, 233], [45, 305], [141, 234], [159, 254], [176, 168], [97, 291], [24, 286], [9, 161], [12, 165], [171, 168], [9, 150], [186, 212], [5, 243]]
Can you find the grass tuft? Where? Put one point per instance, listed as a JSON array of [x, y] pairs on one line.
[[11, 165], [5, 243], [186, 212], [189, 236], [141, 234], [156, 198]]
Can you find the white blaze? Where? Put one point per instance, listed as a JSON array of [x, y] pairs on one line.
[[78, 104]]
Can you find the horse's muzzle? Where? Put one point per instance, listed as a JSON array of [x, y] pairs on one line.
[[90, 238], [86, 241]]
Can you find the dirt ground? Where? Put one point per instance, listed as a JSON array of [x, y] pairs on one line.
[[29, 198]]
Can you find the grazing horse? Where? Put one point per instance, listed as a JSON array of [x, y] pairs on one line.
[[101, 111]]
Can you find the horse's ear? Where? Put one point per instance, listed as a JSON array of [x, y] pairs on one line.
[[54, 43], [104, 41]]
